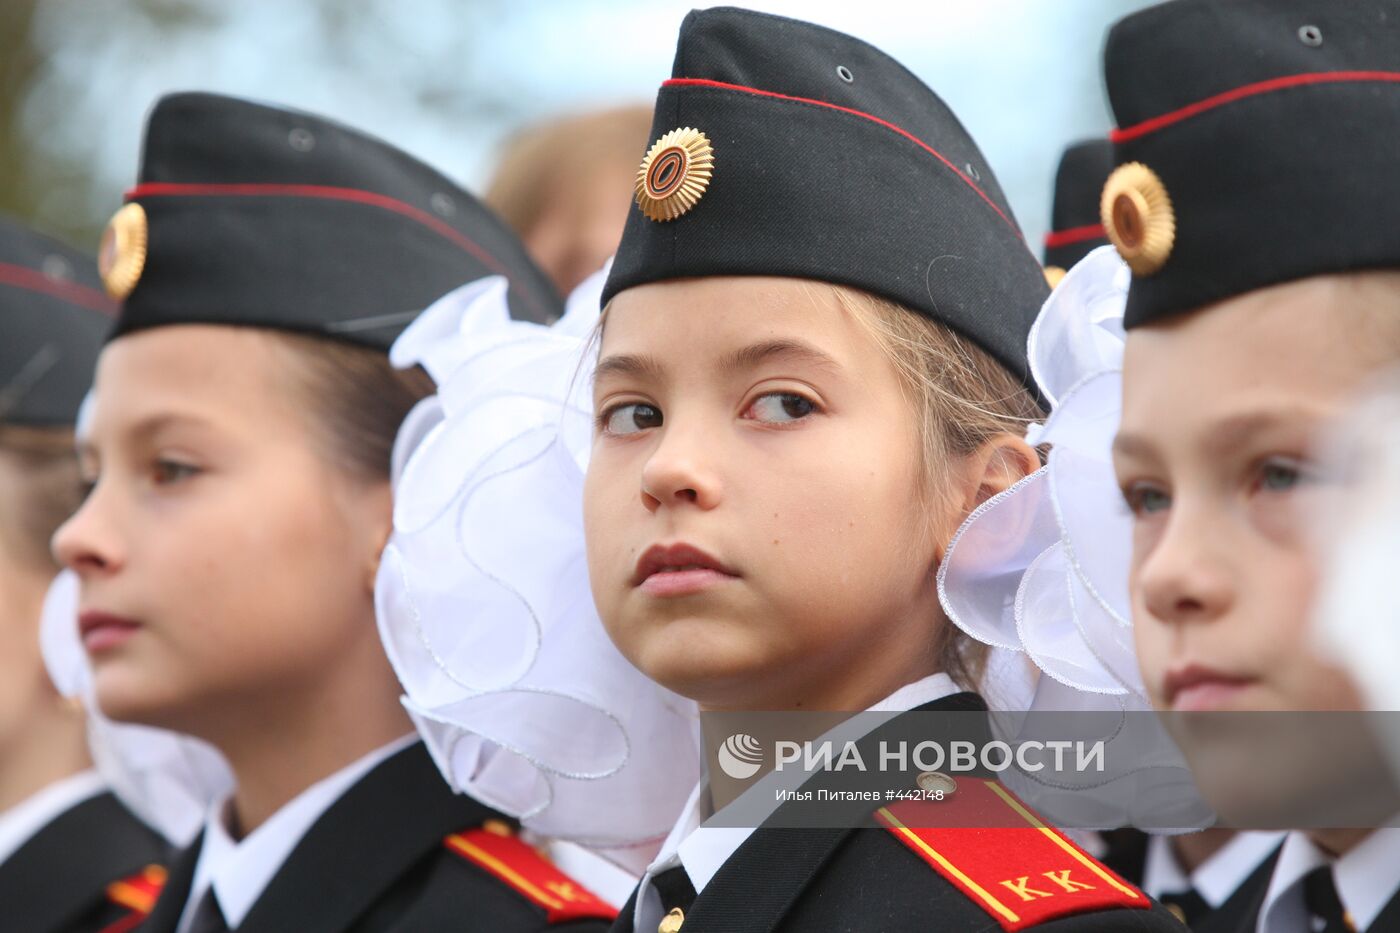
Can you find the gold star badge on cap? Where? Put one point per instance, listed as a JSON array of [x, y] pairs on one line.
[[122, 255], [675, 173], [1137, 214]]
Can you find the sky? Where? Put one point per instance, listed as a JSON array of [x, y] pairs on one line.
[[449, 80]]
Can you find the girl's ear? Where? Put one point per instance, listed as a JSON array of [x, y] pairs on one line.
[[376, 521], [998, 463], [1001, 462]]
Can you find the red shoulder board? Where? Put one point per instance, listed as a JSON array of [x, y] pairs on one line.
[[138, 894], [496, 850], [1021, 875]]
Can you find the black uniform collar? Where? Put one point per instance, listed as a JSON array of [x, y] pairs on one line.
[[176, 890], [1241, 909], [385, 824], [1389, 917]]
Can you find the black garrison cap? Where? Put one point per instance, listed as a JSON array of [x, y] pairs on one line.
[[53, 320], [783, 148], [1076, 229], [1258, 142], [256, 215]]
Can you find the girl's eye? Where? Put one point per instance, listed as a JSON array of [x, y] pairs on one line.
[[1280, 475], [780, 407], [166, 472], [1143, 499], [631, 418]]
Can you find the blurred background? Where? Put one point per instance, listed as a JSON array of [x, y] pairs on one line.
[[459, 83]]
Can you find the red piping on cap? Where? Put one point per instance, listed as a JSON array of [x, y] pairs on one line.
[[1250, 90], [704, 82], [325, 192], [71, 292], [1057, 238]]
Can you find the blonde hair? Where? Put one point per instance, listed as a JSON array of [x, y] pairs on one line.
[[962, 397], [549, 160], [46, 463]]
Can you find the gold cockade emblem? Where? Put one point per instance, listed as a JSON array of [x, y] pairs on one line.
[[675, 173], [1138, 217], [122, 255]]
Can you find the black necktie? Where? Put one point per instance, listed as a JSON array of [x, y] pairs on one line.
[[1188, 906], [675, 889], [1320, 896], [208, 918]]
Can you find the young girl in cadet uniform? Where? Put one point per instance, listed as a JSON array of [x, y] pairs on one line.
[[811, 367], [1192, 873], [1250, 200], [72, 858], [238, 452]]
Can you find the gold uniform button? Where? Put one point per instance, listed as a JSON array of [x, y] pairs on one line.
[[498, 827], [1176, 911], [671, 923], [933, 781]]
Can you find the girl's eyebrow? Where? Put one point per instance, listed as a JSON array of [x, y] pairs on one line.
[[146, 428], [790, 350], [627, 364], [1132, 445], [745, 358], [1235, 430], [1231, 431]]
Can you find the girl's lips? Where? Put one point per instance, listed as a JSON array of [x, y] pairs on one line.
[[683, 582], [102, 631], [1207, 695], [1196, 688], [678, 570]]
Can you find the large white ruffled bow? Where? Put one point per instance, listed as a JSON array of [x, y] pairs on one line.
[[483, 596], [167, 779], [1043, 567]]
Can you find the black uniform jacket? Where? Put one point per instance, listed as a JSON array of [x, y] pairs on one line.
[[59, 880], [1240, 914], [378, 860], [857, 880]]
